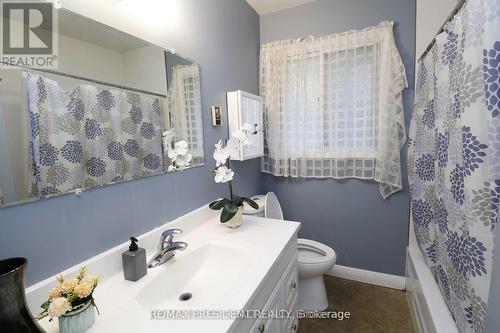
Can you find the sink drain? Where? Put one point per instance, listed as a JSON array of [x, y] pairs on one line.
[[185, 297]]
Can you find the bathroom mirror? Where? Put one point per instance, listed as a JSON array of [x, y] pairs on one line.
[[115, 109]]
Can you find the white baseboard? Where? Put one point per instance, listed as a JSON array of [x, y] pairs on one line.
[[375, 278]]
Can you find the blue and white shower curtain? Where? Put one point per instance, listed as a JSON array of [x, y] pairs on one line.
[[454, 159], [89, 136]]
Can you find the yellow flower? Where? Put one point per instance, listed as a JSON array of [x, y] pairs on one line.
[[68, 285], [93, 280], [83, 289], [55, 292], [59, 306]]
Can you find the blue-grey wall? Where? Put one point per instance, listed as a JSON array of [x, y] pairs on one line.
[[223, 37], [349, 215]]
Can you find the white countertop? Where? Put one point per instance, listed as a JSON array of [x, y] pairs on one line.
[[252, 250]]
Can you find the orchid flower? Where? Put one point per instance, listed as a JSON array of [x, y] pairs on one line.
[[232, 144], [241, 136], [221, 153], [181, 147], [179, 155], [248, 129], [168, 137], [223, 174], [183, 160]]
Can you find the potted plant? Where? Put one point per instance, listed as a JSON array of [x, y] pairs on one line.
[[72, 302], [232, 207]]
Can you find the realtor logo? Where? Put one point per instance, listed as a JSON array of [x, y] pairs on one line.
[[29, 36]]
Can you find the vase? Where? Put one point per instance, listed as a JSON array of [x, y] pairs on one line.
[[235, 221], [14, 315], [77, 321]]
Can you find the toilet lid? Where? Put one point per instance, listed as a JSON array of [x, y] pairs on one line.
[[312, 252], [272, 208]]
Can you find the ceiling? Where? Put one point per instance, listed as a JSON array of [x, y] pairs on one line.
[[263, 7]]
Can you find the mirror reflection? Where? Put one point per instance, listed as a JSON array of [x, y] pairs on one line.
[[116, 109]]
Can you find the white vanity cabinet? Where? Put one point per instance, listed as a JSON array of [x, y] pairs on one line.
[[278, 293], [252, 268], [246, 108]]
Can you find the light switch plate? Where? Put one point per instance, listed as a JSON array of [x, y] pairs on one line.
[[216, 116]]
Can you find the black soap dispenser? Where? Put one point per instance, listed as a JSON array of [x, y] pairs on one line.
[[134, 261]]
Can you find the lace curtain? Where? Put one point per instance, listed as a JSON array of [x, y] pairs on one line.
[[333, 107], [89, 136], [454, 159], [184, 108]]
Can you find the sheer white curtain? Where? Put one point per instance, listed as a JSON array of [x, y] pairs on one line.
[[333, 107]]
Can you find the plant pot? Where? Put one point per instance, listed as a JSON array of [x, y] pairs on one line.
[[77, 321], [235, 221], [14, 315]]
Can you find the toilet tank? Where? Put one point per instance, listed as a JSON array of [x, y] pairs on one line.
[[260, 200]]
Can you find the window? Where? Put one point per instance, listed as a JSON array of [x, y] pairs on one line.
[[333, 107]]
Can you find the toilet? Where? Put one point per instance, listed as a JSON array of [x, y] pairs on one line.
[[314, 258]]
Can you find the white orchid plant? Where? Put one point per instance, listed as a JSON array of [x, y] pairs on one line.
[[177, 152], [70, 295], [224, 174]]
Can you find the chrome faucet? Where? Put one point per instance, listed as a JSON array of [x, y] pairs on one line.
[[166, 248]]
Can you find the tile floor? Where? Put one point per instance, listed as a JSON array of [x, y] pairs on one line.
[[372, 308]]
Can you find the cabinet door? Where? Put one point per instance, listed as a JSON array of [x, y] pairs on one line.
[[292, 326], [289, 287], [245, 108], [269, 325], [289, 296], [251, 113]]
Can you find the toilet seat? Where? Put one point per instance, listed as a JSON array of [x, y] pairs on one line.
[[314, 253]]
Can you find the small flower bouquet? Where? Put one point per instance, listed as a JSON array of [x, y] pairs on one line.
[[71, 298], [232, 207]]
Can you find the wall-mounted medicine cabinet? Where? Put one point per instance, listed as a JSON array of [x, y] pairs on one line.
[[246, 108]]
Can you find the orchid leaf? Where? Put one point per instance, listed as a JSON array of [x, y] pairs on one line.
[[228, 212], [218, 204], [45, 305], [42, 315], [249, 201]]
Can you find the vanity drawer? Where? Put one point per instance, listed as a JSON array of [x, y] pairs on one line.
[[269, 325], [289, 285]]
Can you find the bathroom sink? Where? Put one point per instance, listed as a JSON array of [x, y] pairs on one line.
[[221, 268], [207, 274]]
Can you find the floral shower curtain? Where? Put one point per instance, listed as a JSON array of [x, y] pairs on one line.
[[454, 159], [90, 136]]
